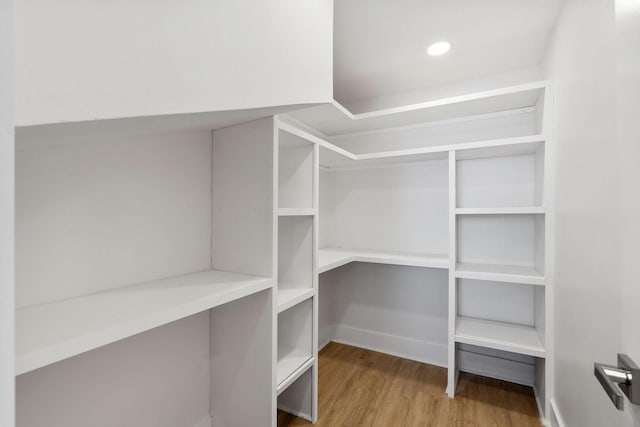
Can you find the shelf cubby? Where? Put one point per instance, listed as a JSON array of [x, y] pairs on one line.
[[295, 172], [500, 184], [295, 252], [296, 395], [501, 316], [508, 248], [503, 336], [295, 339]]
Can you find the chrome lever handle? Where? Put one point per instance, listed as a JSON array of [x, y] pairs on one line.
[[617, 381], [609, 377]]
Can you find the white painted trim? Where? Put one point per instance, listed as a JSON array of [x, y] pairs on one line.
[[556, 417], [407, 348]]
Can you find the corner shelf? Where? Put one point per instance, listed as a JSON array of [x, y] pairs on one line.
[[331, 258], [49, 333], [288, 298], [334, 119], [499, 336], [500, 273]]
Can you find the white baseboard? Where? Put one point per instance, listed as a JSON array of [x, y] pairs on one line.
[[514, 371], [555, 417], [407, 348]]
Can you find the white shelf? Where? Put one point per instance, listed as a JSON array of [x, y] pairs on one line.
[[525, 210], [48, 333], [286, 382], [206, 120], [500, 273], [500, 336], [334, 157], [296, 212], [334, 119], [330, 258], [287, 298], [290, 363]]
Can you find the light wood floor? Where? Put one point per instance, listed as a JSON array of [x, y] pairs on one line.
[[359, 387]]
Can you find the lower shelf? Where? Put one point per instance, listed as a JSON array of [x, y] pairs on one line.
[[297, 373], [287, 298], [500, 336], [48, 333], [290, 363]]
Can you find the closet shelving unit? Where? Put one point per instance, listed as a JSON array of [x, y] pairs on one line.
[[296, 187], [228, 302], [498, 212]]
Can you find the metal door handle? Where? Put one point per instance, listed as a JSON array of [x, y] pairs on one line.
[[618, 380]]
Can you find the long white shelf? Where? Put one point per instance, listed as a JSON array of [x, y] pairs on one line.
[[291, 362], [287, 298], [500, 273], [524, 210], [49, 333], [500, 336], [330, 258]]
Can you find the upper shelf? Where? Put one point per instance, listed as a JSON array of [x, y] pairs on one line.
[[330, 258], [51, 332], [334, 119], [208, 120]]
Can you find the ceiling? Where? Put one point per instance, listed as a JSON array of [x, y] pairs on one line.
[[380, 45]]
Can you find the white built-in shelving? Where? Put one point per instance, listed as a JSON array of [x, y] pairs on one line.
[[48, 333], [495, 222], [296, 291]]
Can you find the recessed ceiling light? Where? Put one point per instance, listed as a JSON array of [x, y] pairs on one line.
[[439, 48]]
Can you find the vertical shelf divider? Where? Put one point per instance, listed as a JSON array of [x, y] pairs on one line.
[[452, 373], [298, 396]]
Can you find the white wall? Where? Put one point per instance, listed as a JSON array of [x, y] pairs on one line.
[[394, 309], [399, 208], [159, 378], [87, 60], [581, 62], [6, 215], [100, 213]]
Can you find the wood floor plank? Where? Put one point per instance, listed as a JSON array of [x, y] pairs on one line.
[[358, 387]]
